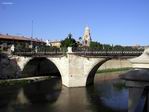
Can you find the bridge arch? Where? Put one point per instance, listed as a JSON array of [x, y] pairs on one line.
[[75, 70], [93, 70], [40, 66]]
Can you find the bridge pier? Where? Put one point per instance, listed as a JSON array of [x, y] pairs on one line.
[[74, 81], [80, 70]]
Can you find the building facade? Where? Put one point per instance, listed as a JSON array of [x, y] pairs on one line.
[[53, 43], [8, 42]]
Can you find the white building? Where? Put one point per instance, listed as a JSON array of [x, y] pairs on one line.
[[53, 43]]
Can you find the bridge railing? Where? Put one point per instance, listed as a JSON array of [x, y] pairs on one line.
[[37, 53], [41, 51], [81, 51], [109, 53], [99, 52]]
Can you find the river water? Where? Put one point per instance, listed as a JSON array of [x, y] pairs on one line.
[[106, 95]]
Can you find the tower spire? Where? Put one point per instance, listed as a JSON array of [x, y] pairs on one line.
[[86, 37]]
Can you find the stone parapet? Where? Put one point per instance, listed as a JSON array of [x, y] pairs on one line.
[[141, 61]]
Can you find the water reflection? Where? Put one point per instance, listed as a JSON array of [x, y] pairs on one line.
[[7, 94], [42, 92], [105, 97], [51, 96], [21, 98], [73, 100], [29, 98]]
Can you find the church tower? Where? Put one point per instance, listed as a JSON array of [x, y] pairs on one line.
[[86, 37]]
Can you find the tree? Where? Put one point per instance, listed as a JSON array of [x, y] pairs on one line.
[[106, 47], [69, 41], [118, 48], [80, 39], [69, 36], [95, 45]]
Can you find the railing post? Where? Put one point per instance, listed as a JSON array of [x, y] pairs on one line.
[[69, 50]]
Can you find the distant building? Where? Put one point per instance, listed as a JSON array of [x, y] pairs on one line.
[[56, 44], [86, 37], [48, 43], [11, 41], [53, 43]]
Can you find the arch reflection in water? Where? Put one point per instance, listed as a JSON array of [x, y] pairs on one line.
[[34, 97], [48, 96], [105, 97], [7, 94], [44, 91], [98, 98]]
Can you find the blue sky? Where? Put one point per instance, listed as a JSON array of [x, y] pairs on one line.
[[123, 22]]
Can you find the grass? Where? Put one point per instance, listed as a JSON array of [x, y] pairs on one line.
[[113, 70], [22, 82], [11, 83]]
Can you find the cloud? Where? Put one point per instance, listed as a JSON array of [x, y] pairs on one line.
[[7, 3]]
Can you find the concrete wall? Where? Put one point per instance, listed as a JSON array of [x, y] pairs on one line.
[[115, 63]]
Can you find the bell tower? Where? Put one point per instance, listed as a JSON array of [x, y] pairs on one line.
[[86, 37]]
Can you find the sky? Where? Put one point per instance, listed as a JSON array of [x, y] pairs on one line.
[[117, 22]]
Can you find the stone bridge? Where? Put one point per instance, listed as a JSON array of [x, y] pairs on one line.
[[77, 69]]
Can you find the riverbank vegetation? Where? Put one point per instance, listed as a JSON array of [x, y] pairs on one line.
[[14, 82], [22, 81], [113, 70]]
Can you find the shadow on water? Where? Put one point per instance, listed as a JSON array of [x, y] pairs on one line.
[[7, 94], [43, 92], [36, 97], [103, 97], [51, 96], [108, 96]]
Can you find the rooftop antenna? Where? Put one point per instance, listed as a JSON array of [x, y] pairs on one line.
[[32, 29], [31, 46]]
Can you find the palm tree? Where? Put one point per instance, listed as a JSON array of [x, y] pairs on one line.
[[80, 39]]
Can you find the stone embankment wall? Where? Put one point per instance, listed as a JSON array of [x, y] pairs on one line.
[[8, 67], [115, 63]]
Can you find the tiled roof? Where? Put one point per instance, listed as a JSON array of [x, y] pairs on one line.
[[20, 38]]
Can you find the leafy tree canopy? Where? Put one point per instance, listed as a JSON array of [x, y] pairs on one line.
[[69, 41], [95, 45]]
